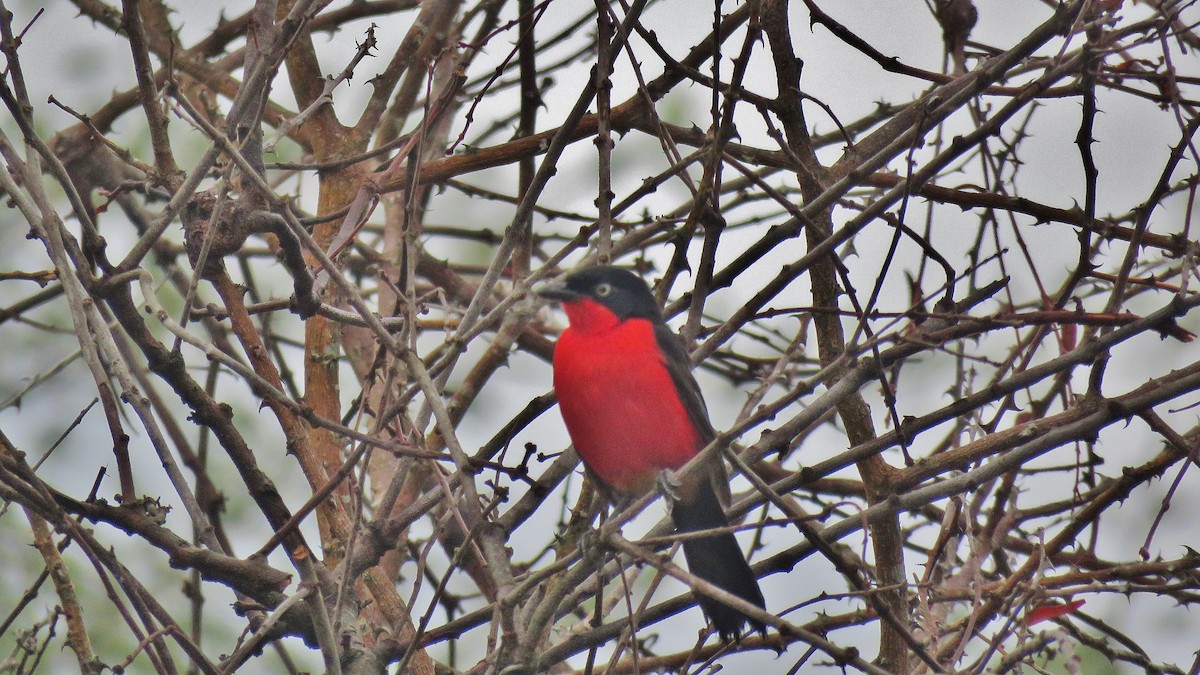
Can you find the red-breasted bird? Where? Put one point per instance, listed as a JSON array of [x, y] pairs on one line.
[[633, 411]]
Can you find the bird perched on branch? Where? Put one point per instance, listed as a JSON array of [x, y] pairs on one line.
[[635, 414]]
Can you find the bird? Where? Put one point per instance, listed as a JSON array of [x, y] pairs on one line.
[[635, 414]]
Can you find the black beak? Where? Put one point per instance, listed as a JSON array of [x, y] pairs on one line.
[[556, 291]]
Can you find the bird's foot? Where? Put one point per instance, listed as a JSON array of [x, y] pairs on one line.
[[590, 547], [669, 485]]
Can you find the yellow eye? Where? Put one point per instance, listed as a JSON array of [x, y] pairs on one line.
[[603, 290]]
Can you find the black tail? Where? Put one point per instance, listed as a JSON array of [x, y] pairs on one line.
[[718, 560]]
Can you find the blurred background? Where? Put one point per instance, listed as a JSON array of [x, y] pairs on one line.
[[1002, 195]]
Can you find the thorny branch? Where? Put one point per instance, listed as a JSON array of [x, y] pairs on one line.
[[327, 402]]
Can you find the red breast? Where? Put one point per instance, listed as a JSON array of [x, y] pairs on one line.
[[618, 400]]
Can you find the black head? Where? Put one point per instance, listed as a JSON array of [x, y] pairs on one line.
[[621, 291]]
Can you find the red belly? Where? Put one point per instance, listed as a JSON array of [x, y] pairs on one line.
[[621, 407]]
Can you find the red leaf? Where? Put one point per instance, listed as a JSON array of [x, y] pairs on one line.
[[1046, 612], [1066, 338]]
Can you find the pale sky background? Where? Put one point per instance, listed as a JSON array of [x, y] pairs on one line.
[[82, 64]]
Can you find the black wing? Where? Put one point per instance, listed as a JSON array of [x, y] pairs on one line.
[[679, 366]]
